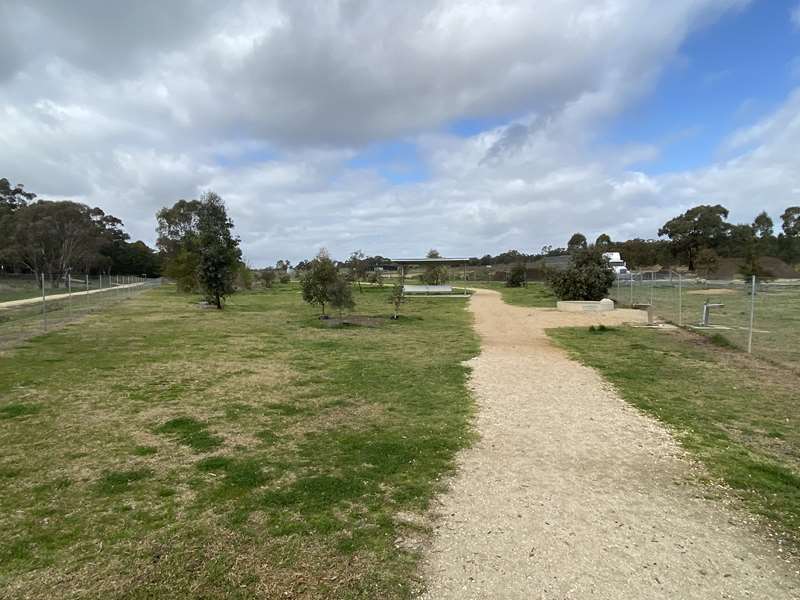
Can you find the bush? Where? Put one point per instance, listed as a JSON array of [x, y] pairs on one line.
[[317, 280], [340, 295], [244, 277], [396, 298], [285, 277], [517, 277], [588, 278], [267, 277]]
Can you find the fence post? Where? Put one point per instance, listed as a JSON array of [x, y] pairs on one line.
[[631, 302], [87, 288], [44, 305], [752, 315], [69, 292], [680, 300]]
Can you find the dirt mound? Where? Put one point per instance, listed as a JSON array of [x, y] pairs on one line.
[[729, 268]]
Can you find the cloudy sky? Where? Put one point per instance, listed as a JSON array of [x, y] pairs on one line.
[[394, 127]]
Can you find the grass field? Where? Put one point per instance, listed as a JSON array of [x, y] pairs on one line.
[[536, 294], [175, 452], [737, 414], [776, 313]]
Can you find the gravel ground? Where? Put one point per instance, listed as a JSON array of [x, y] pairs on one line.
[[572, 493]]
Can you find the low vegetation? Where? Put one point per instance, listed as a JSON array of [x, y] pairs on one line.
[[535, 294], [588, 277], [736, 414], [172, 452]]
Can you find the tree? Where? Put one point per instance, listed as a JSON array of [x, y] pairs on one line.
[[707, 262], [267, 277], [316, 279], [396, 298], [699, 227], [763, 226], [791, 221], [435, 274], [54, 237], [220, 256], [340, 295], [517, 276], [576, 242], [178, 243], [588, 278], [603, 241], [244, 276], [357, 268]]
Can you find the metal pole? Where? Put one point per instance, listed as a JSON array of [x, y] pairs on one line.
[[465, 279], [44, 305], [680, 300], [652, 285], [752, 315], [87, 288], [69, 291], [632, 275]]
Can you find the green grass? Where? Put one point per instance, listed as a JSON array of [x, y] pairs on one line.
[[164, 451], [536, 294], [777, 313], [738, 415]]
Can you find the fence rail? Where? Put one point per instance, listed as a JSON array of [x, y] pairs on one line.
[[762, 317], [30, 305]]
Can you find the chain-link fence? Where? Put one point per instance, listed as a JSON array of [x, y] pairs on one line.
[[32, 304], [754, 315]]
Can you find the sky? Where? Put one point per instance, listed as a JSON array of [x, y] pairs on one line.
[[396, 127]]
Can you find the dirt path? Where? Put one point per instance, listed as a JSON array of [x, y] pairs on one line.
[[571, 493], [65, 296]]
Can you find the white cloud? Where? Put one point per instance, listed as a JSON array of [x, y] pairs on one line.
[[266, 103]]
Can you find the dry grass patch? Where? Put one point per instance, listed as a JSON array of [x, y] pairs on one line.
[[171, 452]]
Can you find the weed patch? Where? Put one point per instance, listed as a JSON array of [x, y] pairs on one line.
[[190, 432]]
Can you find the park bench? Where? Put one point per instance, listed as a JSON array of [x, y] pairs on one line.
[[427, 289]]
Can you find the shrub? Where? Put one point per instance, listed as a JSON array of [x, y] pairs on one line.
[[396, 298], [588, 278], [435, 274], [267, 277], [517, 277], [340, 295], [317, 279], [244, 277], [285, 277]]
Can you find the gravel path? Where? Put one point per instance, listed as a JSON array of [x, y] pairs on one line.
[[571, 493], [64, 296]]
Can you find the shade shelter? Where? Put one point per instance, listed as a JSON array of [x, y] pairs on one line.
[[404, 263]]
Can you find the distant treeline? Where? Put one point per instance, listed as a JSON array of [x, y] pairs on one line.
[[58, 237]]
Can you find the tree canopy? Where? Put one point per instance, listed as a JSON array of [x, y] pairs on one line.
[[218, 249], [701, 226], [49, 237]]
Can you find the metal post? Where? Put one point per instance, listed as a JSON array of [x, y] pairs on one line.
[[652, 285], [87, 288], [680, 300], [69, 291], [465, 279], [632, 274], [752, 315], [44, 305]]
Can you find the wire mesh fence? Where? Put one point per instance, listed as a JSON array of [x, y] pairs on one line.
[[762, 317], [33, 304]]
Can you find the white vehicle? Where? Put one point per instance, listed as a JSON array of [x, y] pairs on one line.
[[616, 262]]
